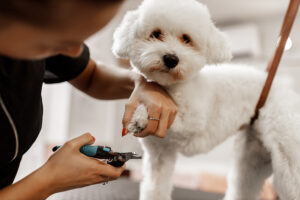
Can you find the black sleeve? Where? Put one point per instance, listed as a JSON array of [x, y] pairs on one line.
[[63, 68]]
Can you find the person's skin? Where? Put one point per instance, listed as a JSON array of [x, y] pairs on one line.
[[68, 168]]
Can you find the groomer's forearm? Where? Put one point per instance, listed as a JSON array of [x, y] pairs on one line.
[[33, 187], [102, 82], [111, 83]]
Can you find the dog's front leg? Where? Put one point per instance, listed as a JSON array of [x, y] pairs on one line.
[[158, 165], [252, 166]]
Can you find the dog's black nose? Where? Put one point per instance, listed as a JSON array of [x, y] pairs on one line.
[[170, 60]]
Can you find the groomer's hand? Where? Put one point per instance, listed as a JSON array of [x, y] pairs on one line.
[[161, 108], [67, 168]]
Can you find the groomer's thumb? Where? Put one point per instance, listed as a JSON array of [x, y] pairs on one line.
[[85, 139]]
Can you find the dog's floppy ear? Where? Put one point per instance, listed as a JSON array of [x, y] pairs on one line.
[[124, 34], [218, 49]]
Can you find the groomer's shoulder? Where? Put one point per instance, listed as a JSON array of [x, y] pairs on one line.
[[62, 68], [83, 80]]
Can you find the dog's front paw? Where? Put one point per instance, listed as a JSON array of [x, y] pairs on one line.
[[139, 120]]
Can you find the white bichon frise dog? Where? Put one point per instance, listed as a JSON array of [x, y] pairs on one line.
[[171, 42]]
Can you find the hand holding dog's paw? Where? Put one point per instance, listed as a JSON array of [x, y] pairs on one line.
[[150, 110]]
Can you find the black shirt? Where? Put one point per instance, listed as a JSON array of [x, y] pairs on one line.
[[21, 106]]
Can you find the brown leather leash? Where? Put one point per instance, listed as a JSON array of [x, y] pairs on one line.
[[273, 65]]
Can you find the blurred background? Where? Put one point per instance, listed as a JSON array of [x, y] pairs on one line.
[[252, 27]]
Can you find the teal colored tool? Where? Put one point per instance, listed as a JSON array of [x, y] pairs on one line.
[[115, 159]]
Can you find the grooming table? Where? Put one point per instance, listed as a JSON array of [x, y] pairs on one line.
[[124, 189]]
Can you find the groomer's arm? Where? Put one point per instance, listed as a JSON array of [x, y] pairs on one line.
[[102, 82], [33, 187]]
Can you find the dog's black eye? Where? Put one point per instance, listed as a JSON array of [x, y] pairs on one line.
[[186, 39], [156, 34]]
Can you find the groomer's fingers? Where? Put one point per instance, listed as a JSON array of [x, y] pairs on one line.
[[153, 121], [129, 111], [106, 170], [163, 124], [80, 141]]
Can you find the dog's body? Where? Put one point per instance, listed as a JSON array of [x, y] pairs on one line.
[[214, 102], [206, 117]]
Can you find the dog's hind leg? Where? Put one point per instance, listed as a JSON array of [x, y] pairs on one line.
[[158, 165], [252, 166], [281, 136]]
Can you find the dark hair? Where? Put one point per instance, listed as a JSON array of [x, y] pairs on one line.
[[37, 12]]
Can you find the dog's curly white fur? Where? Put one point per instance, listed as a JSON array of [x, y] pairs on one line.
[[171, 42]]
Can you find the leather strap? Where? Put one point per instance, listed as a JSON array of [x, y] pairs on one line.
[[273, 64]]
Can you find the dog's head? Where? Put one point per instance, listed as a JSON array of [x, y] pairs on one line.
[[170, 40]]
